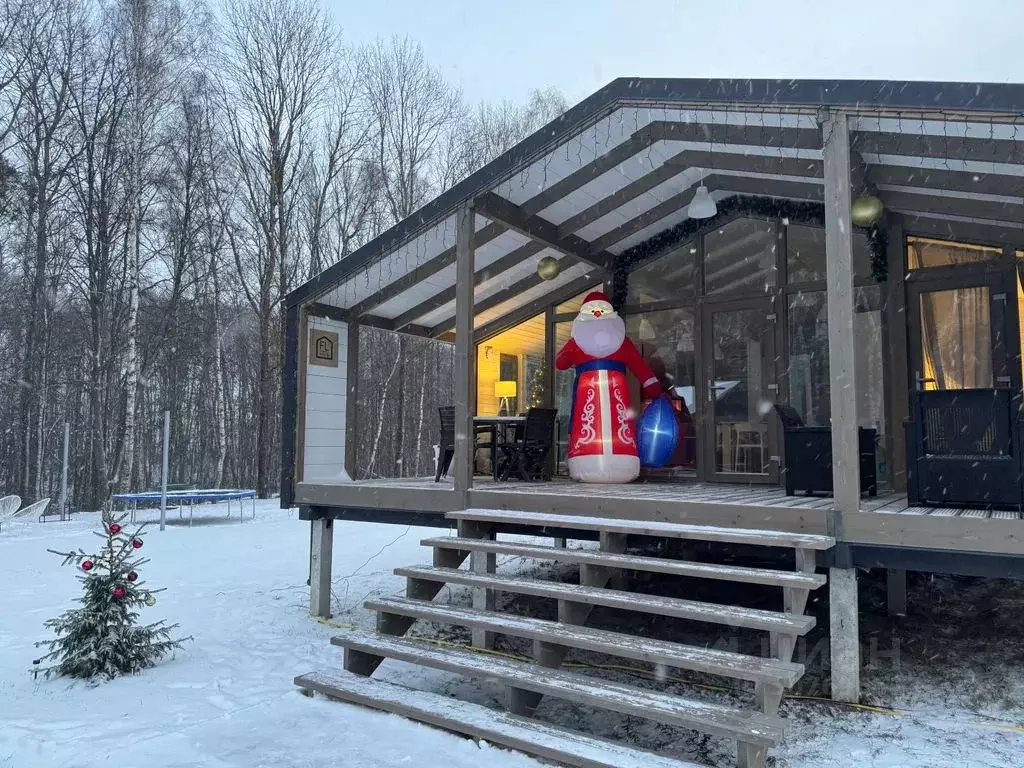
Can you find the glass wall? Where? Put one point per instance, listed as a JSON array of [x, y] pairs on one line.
[[666, 341], [740, 257], [805, 255], [809, 360], [669, 277]]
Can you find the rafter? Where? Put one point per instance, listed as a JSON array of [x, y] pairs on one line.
[[533, 226]]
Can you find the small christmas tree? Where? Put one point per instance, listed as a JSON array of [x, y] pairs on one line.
[[101, 639]]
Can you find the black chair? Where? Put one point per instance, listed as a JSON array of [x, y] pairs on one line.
[[446, 445], [964, 448], [808, 455], [527, 452]]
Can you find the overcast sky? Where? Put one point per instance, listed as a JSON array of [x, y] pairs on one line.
[[497, 49]]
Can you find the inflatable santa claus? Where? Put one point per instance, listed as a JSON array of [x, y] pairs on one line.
[[602, 435]]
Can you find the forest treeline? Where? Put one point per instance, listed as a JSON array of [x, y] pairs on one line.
[[169, 170]]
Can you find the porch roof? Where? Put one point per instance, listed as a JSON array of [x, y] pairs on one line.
[[621, 167]]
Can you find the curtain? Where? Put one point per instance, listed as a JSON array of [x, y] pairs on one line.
[[956, 338]]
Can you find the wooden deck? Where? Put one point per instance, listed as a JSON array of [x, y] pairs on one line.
[[884, 520]]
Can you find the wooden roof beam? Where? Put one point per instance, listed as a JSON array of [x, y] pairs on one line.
[[497, 208]]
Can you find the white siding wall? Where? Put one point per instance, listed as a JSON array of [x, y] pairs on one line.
[[326, 400]]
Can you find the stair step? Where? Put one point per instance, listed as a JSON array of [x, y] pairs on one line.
[[712, 661], [750, 727], [731, 615], [648, 528], [534, 738], [634, 562]]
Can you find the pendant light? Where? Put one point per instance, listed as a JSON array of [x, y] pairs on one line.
[[703, 205]]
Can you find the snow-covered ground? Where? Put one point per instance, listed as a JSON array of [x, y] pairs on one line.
[[227, 700]]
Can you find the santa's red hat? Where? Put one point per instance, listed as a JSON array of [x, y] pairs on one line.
[[597, 300]]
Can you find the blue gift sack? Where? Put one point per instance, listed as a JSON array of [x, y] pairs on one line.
[[658, 432]]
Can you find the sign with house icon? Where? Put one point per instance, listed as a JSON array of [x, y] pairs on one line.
[[323, 348]]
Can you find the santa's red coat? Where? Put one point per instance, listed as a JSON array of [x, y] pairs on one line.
[[602, 422]]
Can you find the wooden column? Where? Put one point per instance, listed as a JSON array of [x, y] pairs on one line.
[[844, 634], [351, 400], [839, 273], [896, 587], [465, 351], [321, 549], [897, 375]]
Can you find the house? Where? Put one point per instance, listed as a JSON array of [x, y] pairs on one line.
[[903, 335]]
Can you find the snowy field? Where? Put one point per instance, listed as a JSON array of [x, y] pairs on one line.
[[227, 700]]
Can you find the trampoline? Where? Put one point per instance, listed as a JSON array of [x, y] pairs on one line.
[[148, 499]]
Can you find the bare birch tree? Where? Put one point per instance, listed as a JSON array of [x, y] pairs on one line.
[[412, 108], [279, 59]]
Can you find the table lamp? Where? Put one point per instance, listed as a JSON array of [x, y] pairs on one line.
[[504, 390]]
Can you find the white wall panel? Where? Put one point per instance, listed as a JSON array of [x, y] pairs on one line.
[[326, 401]]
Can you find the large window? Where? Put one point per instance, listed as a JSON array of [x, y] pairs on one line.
[[667, 277], [510, 369], [740, 257], [924, 253], [805, 254], [666, 340], [808, 378], [808, 356]]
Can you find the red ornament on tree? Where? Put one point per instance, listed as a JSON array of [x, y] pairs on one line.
[[87, 565], [133, 576], [114, 529], [137, 543], [119, 592]]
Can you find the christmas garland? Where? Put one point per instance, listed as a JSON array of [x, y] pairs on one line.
[[807, 213]]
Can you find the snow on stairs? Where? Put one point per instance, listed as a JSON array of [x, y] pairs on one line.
[[754, 729], [520, 733]]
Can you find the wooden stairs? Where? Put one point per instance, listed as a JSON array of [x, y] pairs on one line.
[[755, 729]]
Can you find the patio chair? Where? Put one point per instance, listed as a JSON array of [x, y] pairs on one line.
[[964, 449], [9, 506], [807, 455], [446, 446], [527, 452]]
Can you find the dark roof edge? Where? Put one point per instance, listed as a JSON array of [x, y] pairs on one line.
[[1006, 98]]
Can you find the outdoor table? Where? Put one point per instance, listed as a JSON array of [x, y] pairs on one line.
[[494, 422]]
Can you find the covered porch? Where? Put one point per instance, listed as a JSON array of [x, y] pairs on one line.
[[900, 330]]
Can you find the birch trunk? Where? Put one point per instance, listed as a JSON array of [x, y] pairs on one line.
[[220, 416], [381, 414]]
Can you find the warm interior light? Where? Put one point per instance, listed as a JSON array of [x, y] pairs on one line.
[[504, 389]]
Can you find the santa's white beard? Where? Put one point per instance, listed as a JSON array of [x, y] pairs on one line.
[[599, 336]]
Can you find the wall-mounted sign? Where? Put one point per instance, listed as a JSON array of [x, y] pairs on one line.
[[323, 348]]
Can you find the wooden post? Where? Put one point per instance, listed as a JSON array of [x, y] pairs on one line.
[[845, 661], [897, 378], [465, 352], [352, 387], [321, 547], [896, 586], [843, 634]]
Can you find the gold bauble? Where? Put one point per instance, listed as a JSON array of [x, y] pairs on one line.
[[866, 210], [150, 600], [548, 268]]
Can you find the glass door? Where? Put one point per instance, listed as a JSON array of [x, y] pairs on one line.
[[958, 333], [737, 432]]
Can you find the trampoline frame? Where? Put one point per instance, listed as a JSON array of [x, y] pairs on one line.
[[200, 496]]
